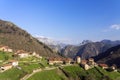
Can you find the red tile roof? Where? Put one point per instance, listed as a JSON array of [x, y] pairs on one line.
[[13, 61], [59, 59], [84, 61], [5, 65], [21, 51], [103, 65], [4, 47]]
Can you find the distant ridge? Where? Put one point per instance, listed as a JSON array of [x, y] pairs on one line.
[[88, 48], [110, 57], [53, 44]]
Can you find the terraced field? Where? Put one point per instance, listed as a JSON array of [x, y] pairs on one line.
[[75, 72]]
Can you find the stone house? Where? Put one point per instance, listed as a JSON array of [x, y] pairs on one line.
[[84, 64], [113, 67], [78, 59], [13, 62], [67, 61], [103, 66], [5, 67], [52, 61], [22, 54], [5, 49], [91, 62], [36, 55]]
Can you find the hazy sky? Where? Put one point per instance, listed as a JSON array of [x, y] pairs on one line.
[[67, 20]]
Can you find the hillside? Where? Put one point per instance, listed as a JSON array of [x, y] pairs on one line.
[[89, 49], [75, 73], [110, 57], [70, 51], [16, 38], [92, 49]]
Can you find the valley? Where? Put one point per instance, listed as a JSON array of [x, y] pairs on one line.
[[30, 59], [59, 40]]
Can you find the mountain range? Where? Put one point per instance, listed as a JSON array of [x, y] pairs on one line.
[[16, 38], [53, 44], [88, 49], [85, 49]]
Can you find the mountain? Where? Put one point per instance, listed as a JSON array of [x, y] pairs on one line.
[[116, 42], [69, 51], [53, 44], [110, 57], [16, 38], [89, 49], [85, 42]]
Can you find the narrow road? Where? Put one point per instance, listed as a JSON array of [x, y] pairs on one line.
[[35, 71], [29, 75], [39, 70]]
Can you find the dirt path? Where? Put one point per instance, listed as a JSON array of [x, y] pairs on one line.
[[35, 71], [39, 70]]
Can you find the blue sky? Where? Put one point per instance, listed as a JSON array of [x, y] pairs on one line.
[[67, 20]]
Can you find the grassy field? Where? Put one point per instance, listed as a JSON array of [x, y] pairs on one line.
[[91, 74], [16, 74], [29, 67], [12, 74], [5, 56], [43, 63], [49, 75], [112, 75], [32, 59], [26, 66], [76, 73]]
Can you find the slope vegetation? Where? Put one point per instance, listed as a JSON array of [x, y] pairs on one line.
[[16, 38], [110, 57]]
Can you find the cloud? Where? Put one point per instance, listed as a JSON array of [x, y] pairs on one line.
[[115, 26], [112, 27]]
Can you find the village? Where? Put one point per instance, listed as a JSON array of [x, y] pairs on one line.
[[85, 64], [52, 61], [21, 54]]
